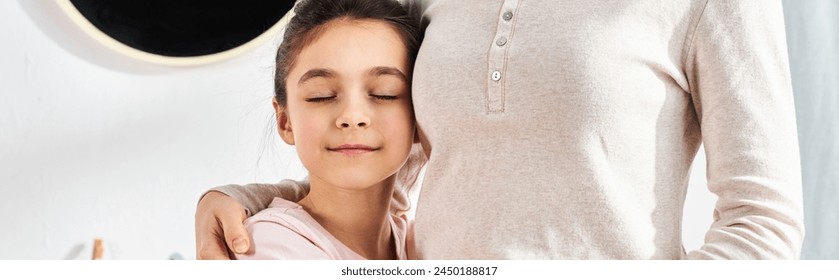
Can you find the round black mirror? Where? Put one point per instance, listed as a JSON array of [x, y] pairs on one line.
[[179, 32]]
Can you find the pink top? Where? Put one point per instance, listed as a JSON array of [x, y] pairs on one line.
[[285, 231]]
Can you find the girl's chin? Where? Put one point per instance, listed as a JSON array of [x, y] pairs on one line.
[[354, 182]]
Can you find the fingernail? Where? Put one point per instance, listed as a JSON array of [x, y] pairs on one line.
[[240, 246]]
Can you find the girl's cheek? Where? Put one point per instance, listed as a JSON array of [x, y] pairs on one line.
[[306, 131]]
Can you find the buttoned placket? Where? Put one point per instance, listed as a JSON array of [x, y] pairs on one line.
[[497, 63]]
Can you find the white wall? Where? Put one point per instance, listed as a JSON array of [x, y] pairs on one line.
[[119, 149], [95, 145], [813, 38]]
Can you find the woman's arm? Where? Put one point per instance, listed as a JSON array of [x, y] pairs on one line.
[[739, 77]]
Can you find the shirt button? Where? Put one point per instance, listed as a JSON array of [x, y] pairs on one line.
[[496, 76], [508, 15], [501, 41]]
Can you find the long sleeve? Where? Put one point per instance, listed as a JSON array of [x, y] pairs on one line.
[[739, 78], [255, 197]]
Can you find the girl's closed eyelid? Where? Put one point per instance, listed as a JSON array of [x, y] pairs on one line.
[[385, 96], [319, 99]]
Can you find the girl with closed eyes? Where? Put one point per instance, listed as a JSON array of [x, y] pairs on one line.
[[343, 99]]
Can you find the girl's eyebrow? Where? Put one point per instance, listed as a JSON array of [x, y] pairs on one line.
[[316, 72], [385, 70]]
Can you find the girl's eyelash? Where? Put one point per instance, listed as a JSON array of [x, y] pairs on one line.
[[385, 97], [319, 99]]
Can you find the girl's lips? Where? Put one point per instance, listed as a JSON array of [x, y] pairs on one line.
[[353, 149]]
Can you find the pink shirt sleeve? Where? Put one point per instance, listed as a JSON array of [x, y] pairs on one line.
[[284, 231], [272, 241]]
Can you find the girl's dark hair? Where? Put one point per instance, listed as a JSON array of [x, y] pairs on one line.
[[311, 16]]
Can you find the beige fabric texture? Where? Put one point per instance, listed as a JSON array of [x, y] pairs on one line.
[[580, 147]]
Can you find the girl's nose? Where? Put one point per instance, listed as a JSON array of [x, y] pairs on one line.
[[347, 124], [355, 115]]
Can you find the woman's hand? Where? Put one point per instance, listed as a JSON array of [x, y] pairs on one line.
[[219, 227]]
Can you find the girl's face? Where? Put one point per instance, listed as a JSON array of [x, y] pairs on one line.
[[348, 110]]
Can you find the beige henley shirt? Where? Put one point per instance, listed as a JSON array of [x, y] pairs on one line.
[[566, 129]]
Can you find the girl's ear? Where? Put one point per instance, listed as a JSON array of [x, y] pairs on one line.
[[283, 124]]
